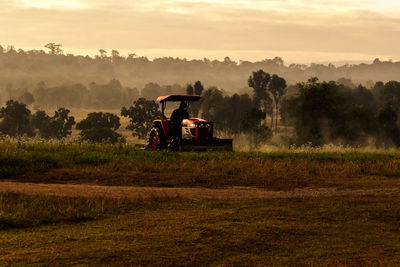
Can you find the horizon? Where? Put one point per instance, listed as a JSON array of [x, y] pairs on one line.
[[299, 31], [154, 54]]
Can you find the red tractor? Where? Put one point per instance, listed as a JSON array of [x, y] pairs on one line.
[[191, 134]]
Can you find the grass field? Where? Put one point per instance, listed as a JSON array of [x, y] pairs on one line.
[[306, 231], [106, 164], [346, 229]]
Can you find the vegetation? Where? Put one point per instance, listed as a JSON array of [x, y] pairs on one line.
[[122, 164], [312, 112], [15, 119], [329, 112], [141, 115], [344, 230], [100, 127], [25, 69], [58, 126]]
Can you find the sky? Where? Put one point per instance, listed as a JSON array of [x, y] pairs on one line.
[[299, 31]]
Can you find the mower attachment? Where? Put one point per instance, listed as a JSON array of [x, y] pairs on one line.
[[214, 144]]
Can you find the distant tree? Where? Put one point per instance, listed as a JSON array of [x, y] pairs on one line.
[[198, 88], [329, 112], [103, 53], [55, 49], [116, 57], [233, 109], [131, 56], [151, 91], [108, 95], [211, 104], [252, 120], [189, 89], [277, 87], [115, 54], [251, 125], [278, 60], [259, 81], [390, 93], [315, 111], [15, 119], [388, 122], [100, 127], [26, 98], [346, 82], [141, 115]]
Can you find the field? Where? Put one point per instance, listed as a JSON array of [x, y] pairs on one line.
[[78, 203]]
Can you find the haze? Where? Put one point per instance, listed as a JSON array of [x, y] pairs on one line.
[[300, 31]]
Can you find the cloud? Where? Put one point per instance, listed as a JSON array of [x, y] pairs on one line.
[[295, 27], [49, 4]]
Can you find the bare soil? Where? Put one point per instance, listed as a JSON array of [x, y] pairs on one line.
[[83, 190]]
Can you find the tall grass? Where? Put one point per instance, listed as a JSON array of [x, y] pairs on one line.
[[123, 164]]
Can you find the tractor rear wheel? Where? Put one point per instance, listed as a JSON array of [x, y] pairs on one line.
[[155, 142]]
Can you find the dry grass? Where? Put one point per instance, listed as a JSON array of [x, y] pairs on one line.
[[273, 174], [345, 230], [133, 192]]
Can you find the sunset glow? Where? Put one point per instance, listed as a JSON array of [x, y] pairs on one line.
[[297, 30]]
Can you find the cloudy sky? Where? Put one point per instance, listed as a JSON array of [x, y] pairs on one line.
[[300, 31]]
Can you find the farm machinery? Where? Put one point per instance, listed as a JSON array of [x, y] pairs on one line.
[[185, 134]]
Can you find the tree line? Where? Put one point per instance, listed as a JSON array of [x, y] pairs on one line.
[[51, 65]]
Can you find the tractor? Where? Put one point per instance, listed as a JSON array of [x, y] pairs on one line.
[[193, 134]]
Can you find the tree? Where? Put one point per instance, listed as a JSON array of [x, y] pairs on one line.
[[251, 125], [189, 89], [388, 122], [55, 49], [58, 126], [259, 82], [16, 119], [103, 53], [391, 93], [108, 95], [41, 121], [100, 127], [141, 115], [61, 123], [151, 91], [26, 98], [198, 88], [316, 111], [252, 120], [277, 86], [328, 112]]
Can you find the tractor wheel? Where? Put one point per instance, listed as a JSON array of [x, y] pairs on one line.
[[155, 142]]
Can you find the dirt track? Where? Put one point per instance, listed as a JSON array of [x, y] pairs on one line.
[[193, 193]]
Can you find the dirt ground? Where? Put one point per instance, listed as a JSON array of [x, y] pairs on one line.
[[192, 193]]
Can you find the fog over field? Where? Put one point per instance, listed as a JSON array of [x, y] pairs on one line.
[[180, 41], [275, 139]]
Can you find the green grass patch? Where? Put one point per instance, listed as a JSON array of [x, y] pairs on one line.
[[122, 164]]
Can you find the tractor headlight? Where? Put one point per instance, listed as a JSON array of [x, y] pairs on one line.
[[192, 125]]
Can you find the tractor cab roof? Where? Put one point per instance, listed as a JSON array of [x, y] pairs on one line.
[[177, 98]]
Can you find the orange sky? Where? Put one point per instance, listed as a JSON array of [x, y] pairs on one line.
[[298, 30]]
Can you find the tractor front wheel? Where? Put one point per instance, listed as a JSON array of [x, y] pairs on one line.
[[155, 142]]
